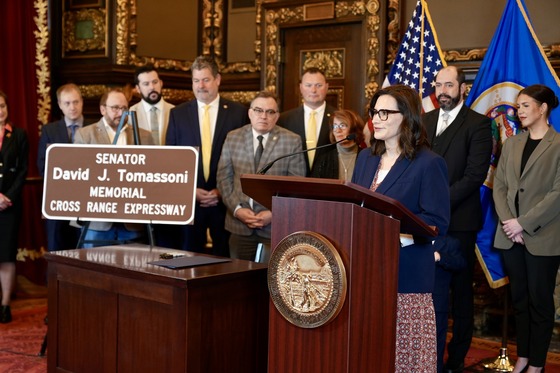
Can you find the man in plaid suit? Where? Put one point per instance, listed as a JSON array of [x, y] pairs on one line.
[[245, 151]]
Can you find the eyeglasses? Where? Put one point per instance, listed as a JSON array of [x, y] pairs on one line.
[[116, 108], [339, 126], [383, 113], [260, 111]]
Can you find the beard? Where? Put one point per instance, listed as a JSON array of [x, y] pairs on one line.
[[450, 103], [152, 98]]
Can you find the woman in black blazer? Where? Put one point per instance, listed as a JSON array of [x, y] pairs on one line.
[[14, 151], [527, 199], [339, 161]]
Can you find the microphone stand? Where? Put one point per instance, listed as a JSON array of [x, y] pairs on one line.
[[267, 166], [502, 363]]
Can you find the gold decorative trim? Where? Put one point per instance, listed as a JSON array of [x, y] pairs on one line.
[[85, 30], [331, 61], [42, 62], [93, 91], [339, 93], [244, 98], [213, 24], [276, 18]]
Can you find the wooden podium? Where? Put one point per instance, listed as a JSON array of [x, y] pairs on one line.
[[111, 311], [364, 227]]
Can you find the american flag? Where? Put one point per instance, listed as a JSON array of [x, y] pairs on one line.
[[419, 57]]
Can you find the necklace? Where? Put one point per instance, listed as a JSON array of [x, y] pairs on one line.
[[350, 155]]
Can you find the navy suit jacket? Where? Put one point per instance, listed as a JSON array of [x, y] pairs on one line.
[[184, 130], [294, 121], [466, 146], [52, 133], [421, 186]]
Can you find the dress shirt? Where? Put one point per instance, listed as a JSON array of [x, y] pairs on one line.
[[212, 111], [452, 115], [319, 114]]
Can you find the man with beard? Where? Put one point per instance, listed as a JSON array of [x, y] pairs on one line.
[[464, 139], [204, 123], [152, 112], [112, 106]]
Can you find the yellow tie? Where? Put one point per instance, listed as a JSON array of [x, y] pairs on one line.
[[311, 137], [206, 142]]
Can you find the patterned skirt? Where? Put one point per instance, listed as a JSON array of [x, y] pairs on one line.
[[416, 350]]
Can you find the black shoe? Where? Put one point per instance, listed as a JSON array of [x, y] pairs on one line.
[[458, 368], [5, 314]]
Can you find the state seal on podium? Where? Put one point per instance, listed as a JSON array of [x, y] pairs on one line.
[[307, 279]]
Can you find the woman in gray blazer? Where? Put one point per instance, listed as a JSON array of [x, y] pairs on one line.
[[527, 198]]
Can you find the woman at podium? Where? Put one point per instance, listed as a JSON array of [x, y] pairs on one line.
[[400, 165]]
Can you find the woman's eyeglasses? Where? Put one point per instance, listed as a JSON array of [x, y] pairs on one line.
[[383, 114], [339, 126]]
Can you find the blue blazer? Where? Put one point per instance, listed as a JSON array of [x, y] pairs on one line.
[[421, 186], [184, 130]]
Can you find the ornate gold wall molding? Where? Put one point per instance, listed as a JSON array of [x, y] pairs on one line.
[[276, 18], [95, 91], [213, 26], [85, 30], [42, 61]]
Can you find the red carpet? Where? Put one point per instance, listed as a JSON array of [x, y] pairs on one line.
[[20, 341]]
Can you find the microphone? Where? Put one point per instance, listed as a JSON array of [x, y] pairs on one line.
[[267, 166]]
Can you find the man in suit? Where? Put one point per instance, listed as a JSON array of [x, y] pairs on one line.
[[152, 112], [60, 234], [245, 151], [112, 106], [464, 139], [204, 123], [311, 121]]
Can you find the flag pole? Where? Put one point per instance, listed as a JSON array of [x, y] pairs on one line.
[[502, 363]]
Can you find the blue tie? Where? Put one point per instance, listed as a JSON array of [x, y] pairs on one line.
[[73, 128]]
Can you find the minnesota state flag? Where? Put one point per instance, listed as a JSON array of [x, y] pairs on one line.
[[514, 60]]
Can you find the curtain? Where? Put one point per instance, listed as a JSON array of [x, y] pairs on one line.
[[24, 77]]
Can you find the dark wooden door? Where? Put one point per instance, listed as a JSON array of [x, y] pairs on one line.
[[338, 50]]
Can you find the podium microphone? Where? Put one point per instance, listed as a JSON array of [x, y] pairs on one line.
[[267, 166]]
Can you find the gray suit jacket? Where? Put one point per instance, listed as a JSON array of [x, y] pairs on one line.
[[238, 158], [539, 193], [144, 121], [97, 134]]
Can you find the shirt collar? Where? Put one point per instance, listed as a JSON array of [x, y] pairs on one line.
[[213, 104], [147, 107], [319, 110], [454, 112], [79, 122]]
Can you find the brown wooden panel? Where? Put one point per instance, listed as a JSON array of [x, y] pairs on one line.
[[87, 328], [237, 313], [152, 330], [111, 311]]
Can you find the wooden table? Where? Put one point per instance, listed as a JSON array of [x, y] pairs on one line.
[[110, 311]]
